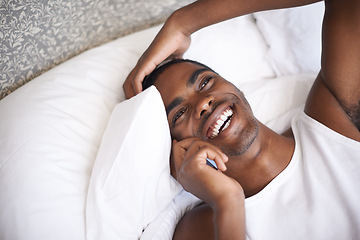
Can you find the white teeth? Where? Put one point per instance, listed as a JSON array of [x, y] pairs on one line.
[[228, 112], [224, 116], [226, 125]]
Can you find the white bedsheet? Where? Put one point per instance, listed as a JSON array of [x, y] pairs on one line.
[[51, 128]]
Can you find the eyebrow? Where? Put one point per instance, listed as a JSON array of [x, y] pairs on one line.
[[192, 79], [195, 75], [176, 102]]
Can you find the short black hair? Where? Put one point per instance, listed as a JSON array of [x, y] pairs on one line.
[[150, 79]]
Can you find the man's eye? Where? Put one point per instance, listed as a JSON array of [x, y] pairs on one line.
[[178, 114], [204, 82]]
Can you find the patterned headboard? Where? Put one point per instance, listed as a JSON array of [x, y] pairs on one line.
[[37, 35]]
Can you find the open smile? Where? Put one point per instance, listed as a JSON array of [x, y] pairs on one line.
[[220, 123]]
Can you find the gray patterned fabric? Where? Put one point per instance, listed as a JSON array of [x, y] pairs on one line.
[[36, 35]]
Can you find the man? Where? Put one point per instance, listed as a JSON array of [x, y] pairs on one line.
[[303, 184]]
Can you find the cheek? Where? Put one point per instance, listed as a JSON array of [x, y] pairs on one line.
[[182, 132], [179, 134]]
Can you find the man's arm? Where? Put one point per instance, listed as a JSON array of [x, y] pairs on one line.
[[201, 223], [335, 97], [223, 217], [174, 37], [203, 13]]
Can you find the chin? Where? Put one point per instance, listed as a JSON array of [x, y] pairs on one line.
[[243, 142]]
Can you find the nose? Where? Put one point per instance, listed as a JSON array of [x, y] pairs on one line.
[[203, 105]]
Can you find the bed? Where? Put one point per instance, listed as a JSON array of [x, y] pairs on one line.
[[77, 161]]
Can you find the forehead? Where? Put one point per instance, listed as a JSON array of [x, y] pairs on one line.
[[174, 80]]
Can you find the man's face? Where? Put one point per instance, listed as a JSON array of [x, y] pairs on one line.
[[200, 103]]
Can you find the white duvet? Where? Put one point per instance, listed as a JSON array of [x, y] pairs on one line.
[[62, 134]]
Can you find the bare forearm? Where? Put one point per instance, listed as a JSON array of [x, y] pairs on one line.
[[229, 219], [203, 13]]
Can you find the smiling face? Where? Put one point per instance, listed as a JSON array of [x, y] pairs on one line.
[[200, 103]]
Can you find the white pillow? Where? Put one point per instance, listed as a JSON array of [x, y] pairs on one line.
[[294, 37], [235, 49], [131, 182], [50, 132], [273, 101]]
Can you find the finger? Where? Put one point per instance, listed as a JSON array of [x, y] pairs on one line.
[[137, 83], [172, 163], [127, 86], [133, 82], [214, 154], [176, 158], [193, 145], [197, 144], [129, 92], [221, 161], [144, 70]]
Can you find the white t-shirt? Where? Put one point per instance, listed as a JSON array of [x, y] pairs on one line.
[[317, 196]]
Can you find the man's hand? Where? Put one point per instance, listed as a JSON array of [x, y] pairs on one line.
[[170, 43], [192, 172]]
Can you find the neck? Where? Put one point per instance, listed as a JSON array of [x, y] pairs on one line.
[[268, 155]]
